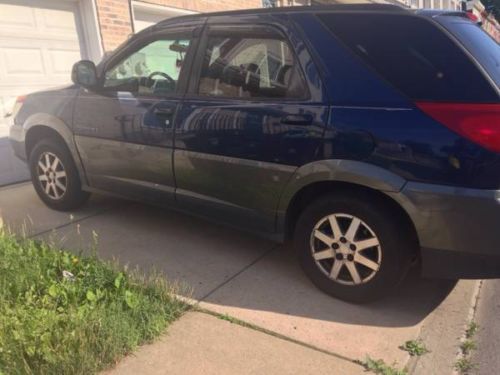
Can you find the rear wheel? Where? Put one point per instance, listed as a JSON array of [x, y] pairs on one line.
[[353, 247], [55, 177]]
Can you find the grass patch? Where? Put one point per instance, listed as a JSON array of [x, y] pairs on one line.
[[64, 314], [379, 367], [467, 347], [471, 330], [414, 348], [465, 366], [228, 318]]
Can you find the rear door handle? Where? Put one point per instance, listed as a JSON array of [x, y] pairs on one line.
[[297, 120]]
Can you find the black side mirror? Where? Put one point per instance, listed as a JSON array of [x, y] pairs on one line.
[[84, 73]]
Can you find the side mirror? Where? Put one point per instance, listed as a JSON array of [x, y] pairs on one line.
[[84, 73]]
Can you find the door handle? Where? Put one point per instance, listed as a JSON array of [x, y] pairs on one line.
[[168, 111], [297, 120]]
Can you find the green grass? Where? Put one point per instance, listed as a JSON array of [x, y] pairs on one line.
[[379, 367], [468, 346], [80, 323], [414, 347], [471, 330], [464, 366]]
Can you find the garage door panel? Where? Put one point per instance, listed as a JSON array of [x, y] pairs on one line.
[[49, 63], [22, 62], [16, 16], [61, 61], [40, 40], [56, 21]]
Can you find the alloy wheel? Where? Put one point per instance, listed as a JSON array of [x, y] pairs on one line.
[[346, 249], [52, 175]]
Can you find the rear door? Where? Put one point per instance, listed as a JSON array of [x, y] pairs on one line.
[[124, 128], [249, 120]]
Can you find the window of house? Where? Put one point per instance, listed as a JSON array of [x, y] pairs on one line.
[[247, 67], [152, 70]]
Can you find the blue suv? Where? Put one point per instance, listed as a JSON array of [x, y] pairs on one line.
[[366, 137]]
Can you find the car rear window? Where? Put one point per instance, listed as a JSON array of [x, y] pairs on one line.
[[414, 55], [478, 43]]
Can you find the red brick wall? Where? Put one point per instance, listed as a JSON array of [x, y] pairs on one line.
[[208, 5], [114, 21], [116, 24]]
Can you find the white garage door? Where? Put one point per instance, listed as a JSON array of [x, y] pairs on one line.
[[39, 42]]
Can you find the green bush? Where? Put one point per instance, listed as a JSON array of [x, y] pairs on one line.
[[62, 314]]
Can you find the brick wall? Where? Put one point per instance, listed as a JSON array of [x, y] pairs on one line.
[[114, 21], [208, 5], [116, 24]]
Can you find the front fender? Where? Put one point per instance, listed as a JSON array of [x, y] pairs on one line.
[[61, 128], [337, 170]]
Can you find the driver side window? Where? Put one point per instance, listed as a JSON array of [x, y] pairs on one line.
[[152, 70]]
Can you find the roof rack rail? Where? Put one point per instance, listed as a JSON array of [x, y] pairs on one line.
[[338, 5]]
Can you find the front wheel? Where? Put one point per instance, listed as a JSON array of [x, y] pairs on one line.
[[353, 247], [55, 177]]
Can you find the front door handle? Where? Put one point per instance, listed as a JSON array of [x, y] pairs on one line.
[[167, 111], [297, 120]]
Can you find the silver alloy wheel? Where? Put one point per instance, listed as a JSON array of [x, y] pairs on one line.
[[52, 175], [346, 249]]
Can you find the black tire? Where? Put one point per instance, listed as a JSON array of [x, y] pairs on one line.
[[379, 222], [73, 196]]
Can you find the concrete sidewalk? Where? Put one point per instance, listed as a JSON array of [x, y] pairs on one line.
[[251, 279], [203, 344]]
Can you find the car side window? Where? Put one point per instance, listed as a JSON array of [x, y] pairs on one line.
[[243, 66], [152, 70]]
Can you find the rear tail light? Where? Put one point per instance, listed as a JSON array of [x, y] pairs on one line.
[[472, 17], [480, 123]]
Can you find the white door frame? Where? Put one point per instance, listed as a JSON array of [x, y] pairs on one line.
[[91, 31], [157, 9]]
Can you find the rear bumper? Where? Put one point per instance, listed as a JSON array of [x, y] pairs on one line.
[[458, 229]]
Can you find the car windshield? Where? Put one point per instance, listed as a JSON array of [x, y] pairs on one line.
[[484, 48]]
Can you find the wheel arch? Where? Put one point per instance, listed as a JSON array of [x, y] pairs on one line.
[[42, 126], [341, 176]]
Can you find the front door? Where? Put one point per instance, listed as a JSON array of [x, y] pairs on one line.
[[245, 127], [124, 129]]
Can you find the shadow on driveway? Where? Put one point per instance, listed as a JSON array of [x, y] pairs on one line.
[[230, 267], [235, 273]]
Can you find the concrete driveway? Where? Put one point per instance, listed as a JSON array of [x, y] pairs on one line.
[[235, 273], [11, 168]]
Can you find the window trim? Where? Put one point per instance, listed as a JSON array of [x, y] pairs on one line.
[[192, 92], [151, 37]]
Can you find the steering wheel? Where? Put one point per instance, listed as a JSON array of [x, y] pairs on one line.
[[154, 82]]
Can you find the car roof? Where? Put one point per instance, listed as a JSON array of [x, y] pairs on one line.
[[354, 7]]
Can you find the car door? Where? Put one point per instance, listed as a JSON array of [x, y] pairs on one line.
[[124, 128], [249, 120]]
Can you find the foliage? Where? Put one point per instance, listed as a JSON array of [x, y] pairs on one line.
[[464, 366], [467, 347], [381, 368], [63, 314], [414, 347], [471, 330]]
